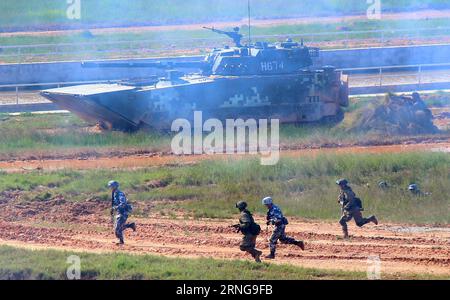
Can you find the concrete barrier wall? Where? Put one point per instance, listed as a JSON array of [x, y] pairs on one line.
[[388, 56], [35, 73], [346, 58]]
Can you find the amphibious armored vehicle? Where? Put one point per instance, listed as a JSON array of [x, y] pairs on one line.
[[259, 81]]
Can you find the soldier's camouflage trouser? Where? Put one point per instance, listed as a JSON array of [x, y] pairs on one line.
[[120, 225], [279, 233], [355, 214], [248, 244]]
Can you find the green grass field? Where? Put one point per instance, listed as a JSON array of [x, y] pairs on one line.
[[176, 42], [173, 36], [171, 42], [304, 187], [36, 135], [48, 12], [18, 263], [24, 264], [64, 135]]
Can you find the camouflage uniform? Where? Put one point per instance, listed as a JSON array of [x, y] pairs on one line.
[[275, 217], [248, 243], [351, 210], [120, 206]]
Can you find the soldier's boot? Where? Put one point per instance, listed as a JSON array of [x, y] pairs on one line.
[[300, 244], [345, 232], [256, 254], [343, 223], [132, 226], [271, 255], [374, 220]]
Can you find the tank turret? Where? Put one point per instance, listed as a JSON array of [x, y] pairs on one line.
[[262, 58]]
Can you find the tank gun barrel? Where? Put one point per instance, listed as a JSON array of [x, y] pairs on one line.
[[212, 29], [158, 64], [234, 35], [120, 65]]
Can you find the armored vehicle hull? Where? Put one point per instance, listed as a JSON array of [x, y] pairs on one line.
[[258, 81], [305, 96]]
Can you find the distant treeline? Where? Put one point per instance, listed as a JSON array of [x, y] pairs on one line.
[[53, 13]]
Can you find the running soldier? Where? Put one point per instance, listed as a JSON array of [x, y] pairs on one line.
[[249, 229], [351, 208], [275, 217], [121, 209]]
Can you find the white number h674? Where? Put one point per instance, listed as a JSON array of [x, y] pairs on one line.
[[271, 66]]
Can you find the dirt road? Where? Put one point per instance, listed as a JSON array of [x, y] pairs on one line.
[[58, 224]]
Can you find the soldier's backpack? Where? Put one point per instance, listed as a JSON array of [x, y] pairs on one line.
[[129, 208], [255, 229], [358, 203]]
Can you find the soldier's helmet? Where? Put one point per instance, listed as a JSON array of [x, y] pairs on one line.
[[413, 187], [342, 182], [267, 201], [382, 184], [113, 184], [241, 205]]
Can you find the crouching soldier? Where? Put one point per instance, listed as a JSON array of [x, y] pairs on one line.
[[275, 217], [121, 209], [351, 207], [249, 229]]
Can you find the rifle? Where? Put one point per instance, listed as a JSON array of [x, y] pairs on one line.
[[268, 221], [112, 215], [237, 227], [112, 208]]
